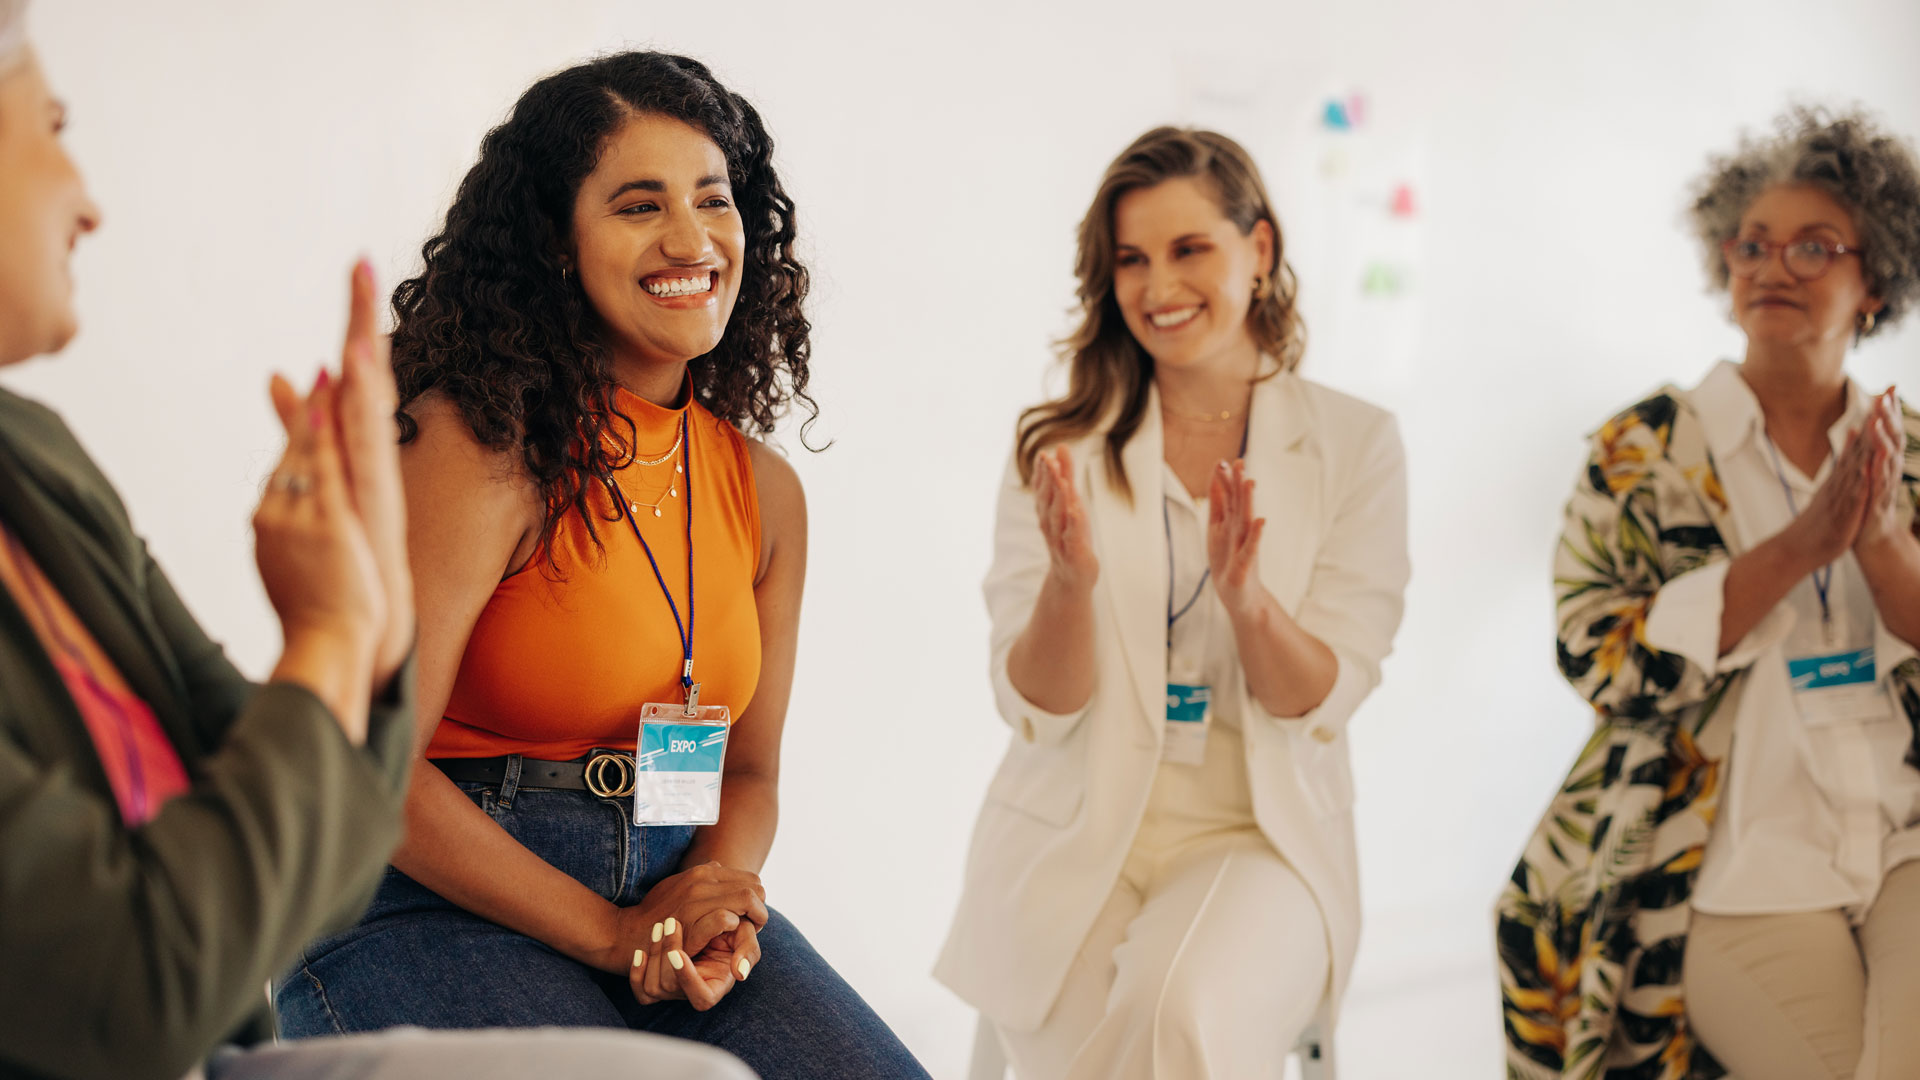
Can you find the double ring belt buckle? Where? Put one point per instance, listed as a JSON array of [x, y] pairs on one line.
[[610, 776]]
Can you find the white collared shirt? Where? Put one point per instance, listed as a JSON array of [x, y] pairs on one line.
[[1816, 809], [1193, 800]]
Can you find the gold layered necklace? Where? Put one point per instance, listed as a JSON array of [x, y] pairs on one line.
[[673, 484], [1199, 418]]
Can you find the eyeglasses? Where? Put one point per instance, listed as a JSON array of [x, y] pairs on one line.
[[1805, 259]]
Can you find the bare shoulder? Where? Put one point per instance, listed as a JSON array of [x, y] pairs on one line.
[[468, 486], [783, 508], [444, 445], [781, 497]]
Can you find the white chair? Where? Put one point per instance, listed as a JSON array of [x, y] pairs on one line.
[[1313, 1051]]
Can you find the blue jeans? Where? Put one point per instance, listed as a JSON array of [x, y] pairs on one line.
[[418, 959]]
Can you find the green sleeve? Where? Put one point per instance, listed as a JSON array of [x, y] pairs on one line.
[[131, 953]]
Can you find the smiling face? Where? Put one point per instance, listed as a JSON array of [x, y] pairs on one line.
[[1772, 305], [44, 209], [658, 243], [1184, 274]]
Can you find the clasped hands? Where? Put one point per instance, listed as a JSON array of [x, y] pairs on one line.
[[1860, 506], [692, 937]]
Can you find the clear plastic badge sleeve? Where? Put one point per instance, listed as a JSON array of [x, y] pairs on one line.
[[677, 764]]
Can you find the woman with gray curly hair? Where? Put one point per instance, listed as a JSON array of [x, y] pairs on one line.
[[1731, 873]]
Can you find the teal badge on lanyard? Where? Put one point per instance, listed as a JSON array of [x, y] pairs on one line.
[[680, 748], [1835, 669], [1189, 707], [1838, 688], [677, 774]]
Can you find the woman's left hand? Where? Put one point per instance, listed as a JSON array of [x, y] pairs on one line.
[[1888, 515], [1233, 539]]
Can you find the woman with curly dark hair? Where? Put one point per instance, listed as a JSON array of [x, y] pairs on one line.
[[1731, 872], [613, 300]]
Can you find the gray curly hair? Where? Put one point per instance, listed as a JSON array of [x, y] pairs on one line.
[[13, 33], [1871, 173]]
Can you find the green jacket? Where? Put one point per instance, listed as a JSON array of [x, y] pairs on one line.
[[130, 953]]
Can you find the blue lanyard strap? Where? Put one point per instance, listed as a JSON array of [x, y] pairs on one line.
[[1823, 577], [1166, 519], [685, 629]]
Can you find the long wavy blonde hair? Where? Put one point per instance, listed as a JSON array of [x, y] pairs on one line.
[[1109, 372]]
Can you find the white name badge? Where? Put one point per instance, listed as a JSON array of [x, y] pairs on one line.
[[1189, 709], [677, 764], [1838, 688]]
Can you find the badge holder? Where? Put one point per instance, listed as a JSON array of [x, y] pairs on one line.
[[1838, 688], [678, 760]]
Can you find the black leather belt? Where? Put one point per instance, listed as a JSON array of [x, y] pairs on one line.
[[606, 773]]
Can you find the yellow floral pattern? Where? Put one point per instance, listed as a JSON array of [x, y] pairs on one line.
[[1591, 927]]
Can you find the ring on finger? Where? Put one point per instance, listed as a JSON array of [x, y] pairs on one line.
[[293, 483]]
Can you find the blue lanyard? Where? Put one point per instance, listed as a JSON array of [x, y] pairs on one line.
[[685, 629], [1823, 577], [1166, 519]]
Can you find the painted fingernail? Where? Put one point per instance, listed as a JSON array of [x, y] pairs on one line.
[[656, 931], [671, 925], [743, 968], [673, 957], [639, 957], [323, 381]]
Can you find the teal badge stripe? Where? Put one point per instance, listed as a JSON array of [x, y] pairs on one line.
[[1837, 669], [1187, 704], [681, 747]]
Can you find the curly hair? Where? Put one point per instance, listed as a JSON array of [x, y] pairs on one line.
[[1109, 372], [493, 324], [1871, 173]]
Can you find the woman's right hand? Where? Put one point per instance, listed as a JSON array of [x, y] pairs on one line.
[[1063, 522], [315, 560], [1827, 528], [370, 451]]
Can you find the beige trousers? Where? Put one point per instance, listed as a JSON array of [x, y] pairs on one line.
[[1809, 996], [1204, 964]]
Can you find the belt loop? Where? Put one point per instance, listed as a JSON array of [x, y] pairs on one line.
[[510, 782]]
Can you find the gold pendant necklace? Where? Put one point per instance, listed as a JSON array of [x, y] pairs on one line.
[[673, 485], [673, 492]]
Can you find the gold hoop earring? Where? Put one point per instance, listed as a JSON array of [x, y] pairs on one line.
[[1865, 323], [566, 273], [1262, 287]]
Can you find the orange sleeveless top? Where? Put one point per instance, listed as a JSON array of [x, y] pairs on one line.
[[559, 664]]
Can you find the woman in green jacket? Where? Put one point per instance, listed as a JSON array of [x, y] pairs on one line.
[[171, 833]]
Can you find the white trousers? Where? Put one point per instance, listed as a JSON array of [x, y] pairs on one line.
[[1206, 962], [1809, 996]]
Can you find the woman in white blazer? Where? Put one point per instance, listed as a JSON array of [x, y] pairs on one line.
[[1162, 881]]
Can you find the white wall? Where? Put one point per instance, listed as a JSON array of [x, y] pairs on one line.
[[244, 152]]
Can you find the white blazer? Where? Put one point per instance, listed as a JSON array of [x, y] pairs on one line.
[[1063, 809]]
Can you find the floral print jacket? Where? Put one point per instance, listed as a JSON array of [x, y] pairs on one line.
[[1592, 926]]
